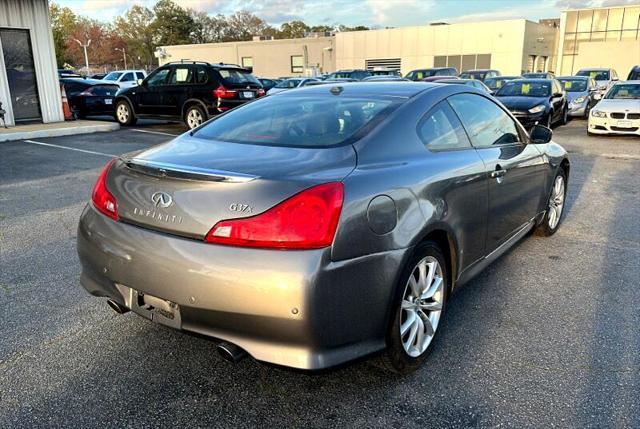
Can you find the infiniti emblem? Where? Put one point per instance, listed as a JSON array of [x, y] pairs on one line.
[[161, 199]]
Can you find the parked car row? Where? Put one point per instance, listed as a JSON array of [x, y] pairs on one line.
[[193, 91]]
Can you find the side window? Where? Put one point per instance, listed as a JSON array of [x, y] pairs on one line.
[[139, 75], [181, 75], [440, 129], [72, 88], [486, 123], [128, 77], [158, 78], [201, 75]]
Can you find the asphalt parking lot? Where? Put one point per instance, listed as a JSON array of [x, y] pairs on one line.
[[545, 337]]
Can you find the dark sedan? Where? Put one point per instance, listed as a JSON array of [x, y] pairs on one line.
[[535, 101], [267, 84], [89, 97], [321, 225]]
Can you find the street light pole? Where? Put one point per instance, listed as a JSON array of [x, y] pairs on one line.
[[86, 58], [124, 55]]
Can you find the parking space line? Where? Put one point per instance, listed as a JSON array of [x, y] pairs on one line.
[[155, 132], [70, 148]]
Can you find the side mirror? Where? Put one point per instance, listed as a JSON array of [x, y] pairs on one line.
[[597, 96], [139, 81], [557, 94], [615, 78], [540, 134]]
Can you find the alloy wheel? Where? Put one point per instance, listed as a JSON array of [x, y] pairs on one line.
[[194, 118], [422, 305], [556, 202], [123, 113]]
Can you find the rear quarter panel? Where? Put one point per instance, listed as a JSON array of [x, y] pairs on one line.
[[430, 190]]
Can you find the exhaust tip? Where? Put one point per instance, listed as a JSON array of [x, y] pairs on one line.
[[231, 352], [120, 309]]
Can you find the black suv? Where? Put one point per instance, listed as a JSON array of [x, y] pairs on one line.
[[350, 74], [191, 91]]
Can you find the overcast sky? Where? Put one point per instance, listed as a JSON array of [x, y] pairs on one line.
[[382, 13]]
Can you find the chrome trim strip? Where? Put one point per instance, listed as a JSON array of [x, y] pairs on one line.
[[209, 174]]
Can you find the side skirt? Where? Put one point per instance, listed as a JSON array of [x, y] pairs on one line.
[[476, 268]]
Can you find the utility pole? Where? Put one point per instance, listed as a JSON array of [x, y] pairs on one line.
[[86, 58], [124, 55]]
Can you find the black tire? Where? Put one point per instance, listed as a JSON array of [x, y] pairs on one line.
[[124, 119], [191, 114], [395, 358], [544, 229], [565, 116], [549, 121]]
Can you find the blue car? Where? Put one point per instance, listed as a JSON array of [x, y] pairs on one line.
[[582, 94]]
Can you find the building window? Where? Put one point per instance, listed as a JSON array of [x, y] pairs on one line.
[[589, 25], [297, 64], [247, 63], [440, 61]]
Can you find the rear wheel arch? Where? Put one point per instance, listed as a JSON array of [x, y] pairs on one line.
[[446, 241], [190, 102], [128, 101]]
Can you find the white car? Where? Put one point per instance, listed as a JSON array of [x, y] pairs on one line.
[[294, 82], [125, 78], [619, 110]]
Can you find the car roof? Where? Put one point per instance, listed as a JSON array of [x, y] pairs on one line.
[[573, 77], [532, 79], [477, 70], [594, 69], [395, 89]]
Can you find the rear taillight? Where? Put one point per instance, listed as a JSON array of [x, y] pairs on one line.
[[85, 93], [102, 198], [261, 92], [307, 220], [222, 92]]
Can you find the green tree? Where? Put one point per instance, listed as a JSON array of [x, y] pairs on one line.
[[243, 25], [294, 30], [208, 29], [63, 23], [172, 25], [135, 28], [322, 29]]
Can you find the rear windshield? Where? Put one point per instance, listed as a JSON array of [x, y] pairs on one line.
[[473, 75], [289, 83], [299, 121], [112, 76], [525, 89], [104, 90], [234, 76], [595, 74], [574, 85]]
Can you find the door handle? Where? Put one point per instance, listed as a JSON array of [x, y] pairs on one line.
[[497, 173]]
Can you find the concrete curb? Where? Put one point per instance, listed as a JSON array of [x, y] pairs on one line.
[[57, 132]]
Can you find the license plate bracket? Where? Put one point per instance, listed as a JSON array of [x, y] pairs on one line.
[[625, 123], [108, 101], [152, 307], [248, 94]]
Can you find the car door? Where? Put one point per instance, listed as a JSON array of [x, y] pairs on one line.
[[175, 93], [557, 100], [149, 93], [515, 169], [127, 80], [461, 185]]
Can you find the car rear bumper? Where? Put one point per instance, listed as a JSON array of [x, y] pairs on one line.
[[292, 308], [611, 126]]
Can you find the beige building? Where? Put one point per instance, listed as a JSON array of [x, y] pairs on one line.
[[511, 46], [267, 58], [601, 37]]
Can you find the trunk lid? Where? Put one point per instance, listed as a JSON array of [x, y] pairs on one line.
[[186, 186]]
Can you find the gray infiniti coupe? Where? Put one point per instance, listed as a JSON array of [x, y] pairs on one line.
[[320, 225]]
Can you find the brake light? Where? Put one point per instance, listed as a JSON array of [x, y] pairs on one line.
[[102, 199], [222, 92], [261, 92], [86, 92], [307, 220]]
